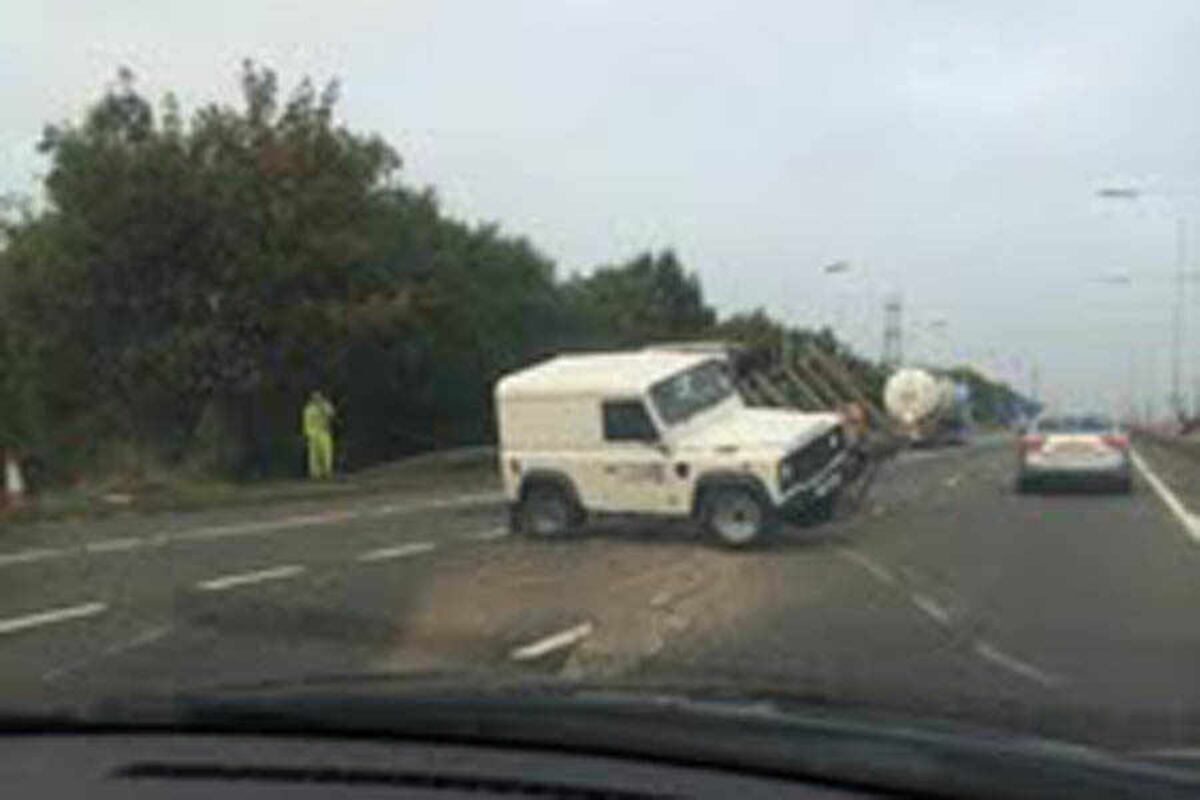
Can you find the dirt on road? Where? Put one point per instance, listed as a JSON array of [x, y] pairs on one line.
[[628, 592]]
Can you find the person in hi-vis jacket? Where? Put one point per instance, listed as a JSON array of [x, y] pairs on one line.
[[318, 431]]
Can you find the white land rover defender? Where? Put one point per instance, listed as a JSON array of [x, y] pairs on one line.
[[658, 432]]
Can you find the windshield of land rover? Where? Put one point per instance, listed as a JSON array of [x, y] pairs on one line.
[[682, 396]]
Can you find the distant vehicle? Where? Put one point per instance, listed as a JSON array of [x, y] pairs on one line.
[[1074, 448], [663, 432], [928, 409]]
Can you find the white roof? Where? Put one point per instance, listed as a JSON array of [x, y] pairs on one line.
[[715, 347], [597, 373]]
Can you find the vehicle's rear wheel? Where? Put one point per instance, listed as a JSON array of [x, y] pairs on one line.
[[1024, 484], [736, 516], [1125, 484], [548, 511]]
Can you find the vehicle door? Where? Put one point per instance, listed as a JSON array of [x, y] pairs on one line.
[[633, 463]]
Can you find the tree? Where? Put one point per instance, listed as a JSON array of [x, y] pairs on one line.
[[205, 264], [452, 307], [992, 402], [649, 298]]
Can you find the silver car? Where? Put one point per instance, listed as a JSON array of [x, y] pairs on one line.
[[1088, 448]]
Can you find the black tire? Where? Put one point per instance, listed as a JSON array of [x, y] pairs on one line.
[[1125, 484], [1024, 485], [736, 516], [548, 511]]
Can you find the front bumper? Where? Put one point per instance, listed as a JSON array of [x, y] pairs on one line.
[[824, 485]]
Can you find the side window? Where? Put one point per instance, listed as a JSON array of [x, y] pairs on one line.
[[627, 421]]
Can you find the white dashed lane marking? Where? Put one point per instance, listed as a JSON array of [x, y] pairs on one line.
[[399, 551], [1015, 665], [143, 639], [558, 641], [489, 535], [872, 566], [17, 624], [942, 616], [247, 578], [931, 608]]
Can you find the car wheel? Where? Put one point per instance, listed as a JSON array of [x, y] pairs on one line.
[[1125, 484], [736, 516], [547, 511], [1024, 484]]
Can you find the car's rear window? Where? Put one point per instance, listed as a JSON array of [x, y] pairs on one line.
[[1078, 424]]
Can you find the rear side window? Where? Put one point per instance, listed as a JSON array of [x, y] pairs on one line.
[[627, 421]]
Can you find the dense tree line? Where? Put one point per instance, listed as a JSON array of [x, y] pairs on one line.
[[186, 281]]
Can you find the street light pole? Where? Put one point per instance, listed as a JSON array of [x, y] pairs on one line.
[[1177, 310], [1177, 321]]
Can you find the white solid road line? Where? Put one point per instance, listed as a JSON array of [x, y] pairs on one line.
[[290, 523], [267, 526], [114, 545], [400, 551], [474, 498], [326, 518], [872, 566], [931, 608], [15, 624], [1189, 520], [252, 528], [246, 578], [1015, 665], [29, 556], [549, 644]]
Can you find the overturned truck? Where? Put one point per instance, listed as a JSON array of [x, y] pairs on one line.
[[928, 409]]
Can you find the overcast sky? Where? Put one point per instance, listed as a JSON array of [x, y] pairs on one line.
[[948, 150]]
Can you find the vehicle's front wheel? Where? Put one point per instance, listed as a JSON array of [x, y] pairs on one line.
[[547, 511], [736, 516]]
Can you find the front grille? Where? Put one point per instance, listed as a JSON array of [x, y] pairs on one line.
[[805, 463]]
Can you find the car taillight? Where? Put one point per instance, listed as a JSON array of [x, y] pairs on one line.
[[1031, 444], [1117, 442]]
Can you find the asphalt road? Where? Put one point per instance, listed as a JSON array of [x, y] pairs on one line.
[[945, 595]]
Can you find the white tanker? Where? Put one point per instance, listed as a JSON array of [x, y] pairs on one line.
[[929, 409]]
